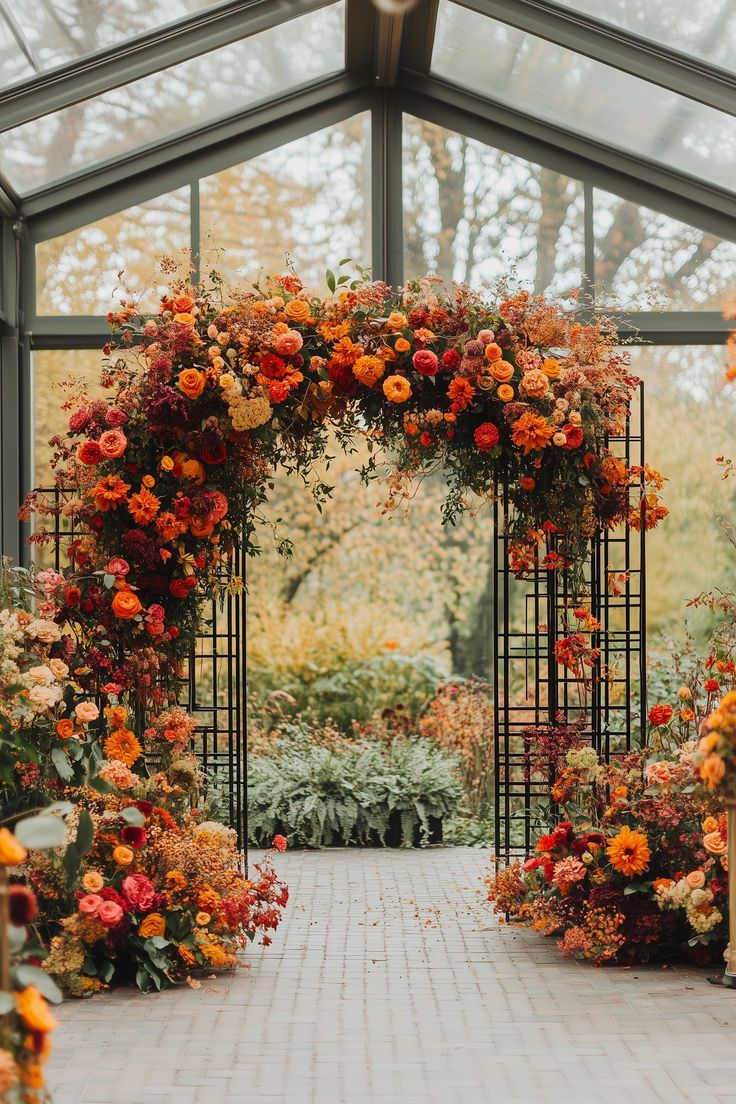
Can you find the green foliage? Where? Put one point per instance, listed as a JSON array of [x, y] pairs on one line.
[[321, 796], [358, 690]]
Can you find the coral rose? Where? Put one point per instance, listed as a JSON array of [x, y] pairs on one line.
[[183, 304], [574, 436], [493, 352], [64, 728], [34, 1011], [126, 605], [113, 443], [110, 914], [426, 362], [86, 712], [191, 382], [89, 452], [289, 343], [397, 389], [138, 891], [486, 437], [152, 925], [660, 715], [11, 852], [116, 565], [280, 843], [89, 905]]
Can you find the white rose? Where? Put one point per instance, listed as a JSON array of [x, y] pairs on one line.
[[44, 697], [48, 632]]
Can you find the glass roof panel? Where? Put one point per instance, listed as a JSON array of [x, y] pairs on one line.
[[580, 94], [154, 108], [43, 34], [706, 30]]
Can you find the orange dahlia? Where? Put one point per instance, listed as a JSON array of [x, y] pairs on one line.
[[123, 746], [108, 492], [144, 506], [397, 389], [460, 393], [629, 852], [531, 432]]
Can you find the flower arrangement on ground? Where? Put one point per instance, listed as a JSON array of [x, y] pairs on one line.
[[216, 390]]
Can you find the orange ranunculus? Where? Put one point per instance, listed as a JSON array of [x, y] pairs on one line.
[[11, 852], [191, 382], [502, 371], [397, 389], [493, 352], [712, 770], [396, 320], [126, 605], [143, 506], [123, 855], [182, 304], [34, 1011], [297, 310], [505, 392], [402, 345], [64, 728], [153, 924]]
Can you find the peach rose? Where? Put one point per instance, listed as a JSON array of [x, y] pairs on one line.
[[86, 712], [714, 843], [191, 382], [113, 443], [93, 881], [126, 605], [695, 879], [396, 320], [289, 343]]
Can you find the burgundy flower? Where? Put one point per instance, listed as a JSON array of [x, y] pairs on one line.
[[22, 905], [134, 835]]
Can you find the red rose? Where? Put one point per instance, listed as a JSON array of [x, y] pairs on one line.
[[486, 436], [660, 715], [88, 606], [214, 453], [589, 460], [134, 835], [182, 507], [173, 632], [425, 362], [425, 439], [72, 596], [89, 453], [574, 436], [451, 358], [190, 582], [280, 843], [712, 686], [178, 588]]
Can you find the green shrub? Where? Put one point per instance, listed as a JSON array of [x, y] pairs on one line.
[[357, 793], [357, 690]]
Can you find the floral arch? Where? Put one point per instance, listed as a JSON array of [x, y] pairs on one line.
[[508, 393]]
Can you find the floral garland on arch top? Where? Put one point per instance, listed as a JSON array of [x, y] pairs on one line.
[[217, 390]]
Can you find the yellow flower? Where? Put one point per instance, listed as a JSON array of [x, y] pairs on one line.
[[123, 855], [202, 919], [11, 852], [629, 852]]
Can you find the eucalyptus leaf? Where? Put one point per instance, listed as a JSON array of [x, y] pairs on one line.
[[41, 832], [32, 975], [133, 816], [63, 767]]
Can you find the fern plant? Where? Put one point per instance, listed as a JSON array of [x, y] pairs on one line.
[[356, 794]]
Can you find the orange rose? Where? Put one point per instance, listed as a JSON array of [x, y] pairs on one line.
[[34, 1011], [122, 855], [191, 382], [153, 924], [402, 345], [182, 304], [712, 770], [505, 392], [397, 389], [551, 368], [494, 352], [396, 320], [502, 371], [64, 728], [184, 318], [710, 824], [126, 605], [297, 310], [11, 852], [194, 470]]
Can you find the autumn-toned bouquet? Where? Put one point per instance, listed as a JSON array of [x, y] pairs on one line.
[[218, 389]]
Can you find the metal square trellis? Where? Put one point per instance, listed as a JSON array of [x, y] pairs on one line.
[[531, 688]]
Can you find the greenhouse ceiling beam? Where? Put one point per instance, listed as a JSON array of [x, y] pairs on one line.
[[675, 194], [658, 64], [145, 54], [418, 43], [169, 165]]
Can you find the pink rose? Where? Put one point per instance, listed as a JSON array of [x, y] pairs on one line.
[[156, 612], [425, 362], [115, 416], [79, 420], [90, 905], [116, 565], [695, 879], [113, 443], [139, 892], [486, 337], [658, 773], [289, 343], [110, 914]]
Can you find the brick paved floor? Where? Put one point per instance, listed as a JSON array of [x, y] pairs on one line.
[[391, 983]]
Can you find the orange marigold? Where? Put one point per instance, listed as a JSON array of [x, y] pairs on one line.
[[531, 432], [397, 389], [629, 852], [144, 506], [368, 370], [109, 492], [123, 746]]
